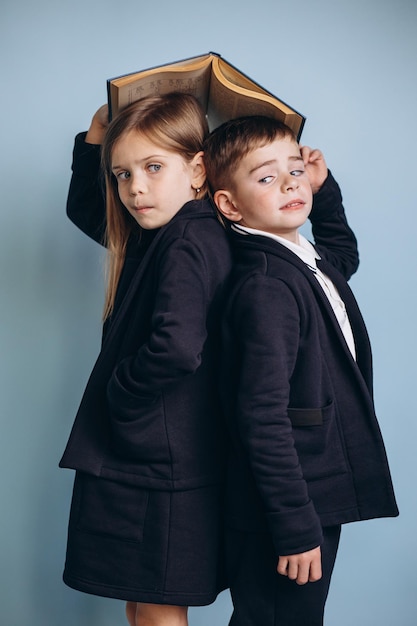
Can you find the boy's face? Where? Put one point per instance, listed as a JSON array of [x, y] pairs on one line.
[[270, 190]]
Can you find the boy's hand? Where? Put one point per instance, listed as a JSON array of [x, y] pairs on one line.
[[98, 126], [303, 568], [316, 167]]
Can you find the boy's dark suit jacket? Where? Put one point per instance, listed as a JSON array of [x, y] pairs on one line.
[[306, 446], [150, 412]]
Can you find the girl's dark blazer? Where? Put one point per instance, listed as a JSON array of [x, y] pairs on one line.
[[150, 413], [306, 447]]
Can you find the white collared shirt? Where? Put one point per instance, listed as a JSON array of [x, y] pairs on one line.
[[308, 254]]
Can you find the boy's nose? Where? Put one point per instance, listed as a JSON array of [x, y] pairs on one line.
[[290, 183]]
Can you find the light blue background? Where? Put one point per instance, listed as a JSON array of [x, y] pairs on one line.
[[350, 67]]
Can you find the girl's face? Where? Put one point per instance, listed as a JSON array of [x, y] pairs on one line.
[[153, 183]]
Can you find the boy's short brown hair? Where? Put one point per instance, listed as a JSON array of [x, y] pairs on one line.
[[225, 147]]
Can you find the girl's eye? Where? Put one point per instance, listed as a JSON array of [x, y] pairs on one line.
[[123, 176], [266, 179], [154, 167], [297, 172]]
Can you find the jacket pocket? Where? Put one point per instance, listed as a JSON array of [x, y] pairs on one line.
[[318, 442], [142, 437], [111, 509]]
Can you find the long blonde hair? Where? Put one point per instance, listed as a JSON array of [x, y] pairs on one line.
[[174, 121]]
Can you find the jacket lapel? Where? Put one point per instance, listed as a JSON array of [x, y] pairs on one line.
[[130, 293], [362, 343], [358, 327]]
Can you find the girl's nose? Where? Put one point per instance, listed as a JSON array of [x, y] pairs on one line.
[[137, 185]]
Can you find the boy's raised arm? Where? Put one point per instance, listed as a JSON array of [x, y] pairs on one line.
[[333, 237], [316, 167]]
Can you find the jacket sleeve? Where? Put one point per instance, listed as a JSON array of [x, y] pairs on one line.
[[267, 320], [334, 239], [86, 198]]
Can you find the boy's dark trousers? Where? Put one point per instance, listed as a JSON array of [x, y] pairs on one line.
[[261, 596]]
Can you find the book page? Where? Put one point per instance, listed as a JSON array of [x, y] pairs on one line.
[[193, 63], [126, 90], [226, 102], [234, 76]]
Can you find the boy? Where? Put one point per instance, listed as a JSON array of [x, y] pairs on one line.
[[306, 454]]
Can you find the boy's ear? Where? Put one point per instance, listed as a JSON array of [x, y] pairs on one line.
[[199, 170], [224, 202]]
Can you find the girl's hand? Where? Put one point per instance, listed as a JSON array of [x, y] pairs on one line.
[[98, 126], [315, 165], [303, 568]]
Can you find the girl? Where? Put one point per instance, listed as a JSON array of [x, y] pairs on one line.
[[147, 442]]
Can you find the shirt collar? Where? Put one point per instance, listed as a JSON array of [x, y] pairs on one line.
[[304, 249]]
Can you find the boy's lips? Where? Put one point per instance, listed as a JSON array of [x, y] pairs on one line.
[[293, 205]]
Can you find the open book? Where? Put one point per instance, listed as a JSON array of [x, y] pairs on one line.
[[223, 91]]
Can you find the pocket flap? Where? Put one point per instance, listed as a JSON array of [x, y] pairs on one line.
[[306, 417]]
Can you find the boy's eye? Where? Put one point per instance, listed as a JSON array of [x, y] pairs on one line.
[[154, 167], [297, 172], [266, 179]]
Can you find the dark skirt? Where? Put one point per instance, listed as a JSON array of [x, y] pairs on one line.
[[144, 545]]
